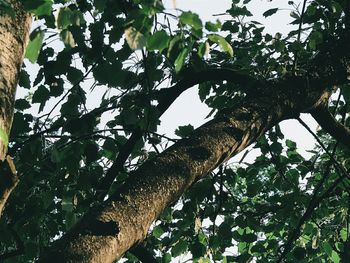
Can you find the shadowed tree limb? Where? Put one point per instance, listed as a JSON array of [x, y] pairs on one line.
[[326, 120], [161, 180]]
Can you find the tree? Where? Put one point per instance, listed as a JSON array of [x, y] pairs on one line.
[[93, 187]]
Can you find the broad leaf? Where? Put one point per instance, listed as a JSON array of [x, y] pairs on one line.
[[135, 39], [270, 12], [34, 45], [222, 42]]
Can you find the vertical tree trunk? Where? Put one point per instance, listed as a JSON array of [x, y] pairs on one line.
[[14, 32]]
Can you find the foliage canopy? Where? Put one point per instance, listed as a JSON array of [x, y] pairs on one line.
[[91, 109]]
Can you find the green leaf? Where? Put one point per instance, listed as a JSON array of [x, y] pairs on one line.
[[239, 11], [67, 17], [110, 149], [221, 41], [291, 145], [4, 137], [67, 38], [179, 248], [335, 257], [22, 104], [74, 75], [158, 41], [41, 95], [184, 131], [70, 219], [24, 80], [299, 253], [344, 234], [180, 60], [56, 155], [191, 19], [315, 39], [327, 248], [34, 45], [67, 204], [157, 231], [279, 46], [166, 258], [249, 238], [270, 12], [332, 254], [135, 39], [64, 18], [213, 27], [100, 4], [203, 49], [38, 7]]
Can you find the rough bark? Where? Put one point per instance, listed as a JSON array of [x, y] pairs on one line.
[[110, 230], [14, 32], [107, 233]]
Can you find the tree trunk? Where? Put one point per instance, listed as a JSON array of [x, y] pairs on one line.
[[14, 32], [107, 233]]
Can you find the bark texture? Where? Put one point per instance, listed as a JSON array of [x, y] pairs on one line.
[[14, 32], [339, 132], [107, 233]]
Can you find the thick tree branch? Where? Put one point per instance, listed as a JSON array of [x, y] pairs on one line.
[[127, 216], [166, 97], [326, 120]]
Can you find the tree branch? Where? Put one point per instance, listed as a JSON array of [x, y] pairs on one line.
[[326, 120], [128, 214], [166, 97]]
